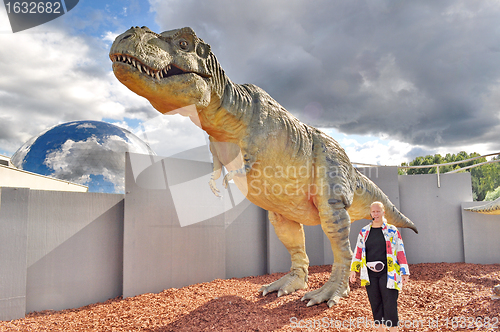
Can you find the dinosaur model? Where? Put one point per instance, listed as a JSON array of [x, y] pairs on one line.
[[496, 293], [297, 173], [492, 207]]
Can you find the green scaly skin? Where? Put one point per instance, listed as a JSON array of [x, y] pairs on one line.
[[297, 173]]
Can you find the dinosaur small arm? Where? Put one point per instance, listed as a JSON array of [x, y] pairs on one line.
[[297, 173]]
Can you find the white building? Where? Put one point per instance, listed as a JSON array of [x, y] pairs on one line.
[[10, 176]]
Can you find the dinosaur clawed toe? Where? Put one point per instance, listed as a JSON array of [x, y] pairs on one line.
[[287, 284], [332, 291]]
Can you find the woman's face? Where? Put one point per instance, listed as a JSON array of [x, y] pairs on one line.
[[377, 212]]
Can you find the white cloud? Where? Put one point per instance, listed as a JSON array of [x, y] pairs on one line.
[[377, 151], [170, 134], [49, 77], [109, 36]]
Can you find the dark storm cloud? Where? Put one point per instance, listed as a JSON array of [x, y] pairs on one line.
[[423, 72]]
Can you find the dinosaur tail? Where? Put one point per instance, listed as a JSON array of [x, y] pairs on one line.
[[368, 192]]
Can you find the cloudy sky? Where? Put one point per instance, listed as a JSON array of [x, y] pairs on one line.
[[390, 80]]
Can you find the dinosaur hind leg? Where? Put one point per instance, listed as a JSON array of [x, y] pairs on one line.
[[336, 224], [291, 234]]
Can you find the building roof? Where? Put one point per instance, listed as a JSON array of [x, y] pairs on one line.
[[11, 176]]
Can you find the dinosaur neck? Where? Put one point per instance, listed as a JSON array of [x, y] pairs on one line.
[[224, 119]]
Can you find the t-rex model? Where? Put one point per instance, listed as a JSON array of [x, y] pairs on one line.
[[496, 293], [296, 172]]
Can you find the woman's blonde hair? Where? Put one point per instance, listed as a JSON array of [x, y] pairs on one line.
[[379, 204]]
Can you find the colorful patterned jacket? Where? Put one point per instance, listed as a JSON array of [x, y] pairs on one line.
[[396, 258]]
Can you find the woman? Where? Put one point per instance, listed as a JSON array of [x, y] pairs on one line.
[[380, 257]]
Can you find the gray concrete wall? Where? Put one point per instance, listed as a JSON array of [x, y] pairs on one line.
[[58, 250], [438, 215], [246, 243], [481, 244], [64, 250], [177, 232], [13, 239], [74, 249]]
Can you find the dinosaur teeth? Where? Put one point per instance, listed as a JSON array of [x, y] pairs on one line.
[[158, 74]]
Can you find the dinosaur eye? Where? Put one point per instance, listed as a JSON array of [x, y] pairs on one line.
[[183, 44]]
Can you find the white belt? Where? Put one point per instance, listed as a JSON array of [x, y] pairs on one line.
[[376, 266]]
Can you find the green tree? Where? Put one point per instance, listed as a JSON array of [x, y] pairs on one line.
[[484, 178], [492, 195]]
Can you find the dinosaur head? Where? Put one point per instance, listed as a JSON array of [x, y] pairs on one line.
[[169, 69]]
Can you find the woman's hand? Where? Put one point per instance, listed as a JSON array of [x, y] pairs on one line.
[[352, 277]]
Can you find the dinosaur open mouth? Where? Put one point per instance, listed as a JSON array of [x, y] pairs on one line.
[[168, 71]]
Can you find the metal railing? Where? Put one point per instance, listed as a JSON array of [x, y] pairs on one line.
[[445, 164]]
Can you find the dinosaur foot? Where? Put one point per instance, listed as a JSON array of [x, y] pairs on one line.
[[333, 290], [287, 284], [496, 293]]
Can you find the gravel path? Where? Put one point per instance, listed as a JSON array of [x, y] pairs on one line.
[[439, 297]]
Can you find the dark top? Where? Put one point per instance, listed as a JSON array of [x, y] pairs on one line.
[[375, 249]]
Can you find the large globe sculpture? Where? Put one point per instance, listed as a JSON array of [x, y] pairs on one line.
[[90, 153]]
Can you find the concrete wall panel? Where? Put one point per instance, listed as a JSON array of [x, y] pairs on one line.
[[75, 249], [436, 211], [13, 242], [481, 244], [158, 252], [246, 241]]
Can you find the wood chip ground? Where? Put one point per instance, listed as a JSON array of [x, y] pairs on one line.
[[439, 297]]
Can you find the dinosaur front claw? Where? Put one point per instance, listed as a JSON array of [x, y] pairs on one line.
[[287, 284], [332, 291], [213, 187], [229, 176]]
